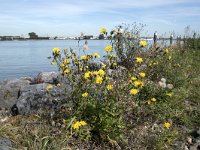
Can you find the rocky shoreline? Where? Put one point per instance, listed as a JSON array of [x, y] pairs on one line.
[[26, 94]]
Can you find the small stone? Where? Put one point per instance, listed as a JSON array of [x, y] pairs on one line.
[[189, 140], [197, 141], [4, 119], [53, 123], [193, 147], [186, 148]]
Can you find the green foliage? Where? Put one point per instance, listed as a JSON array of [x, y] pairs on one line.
[[192, 43], [141, 105], [92, 100], [125, 40]]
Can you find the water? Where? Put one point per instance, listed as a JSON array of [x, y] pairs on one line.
[[28, 58]]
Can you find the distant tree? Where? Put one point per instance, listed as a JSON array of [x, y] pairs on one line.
[[33, 35], [101, 36]]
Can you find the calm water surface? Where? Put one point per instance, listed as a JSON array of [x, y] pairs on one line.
[[28, 58]]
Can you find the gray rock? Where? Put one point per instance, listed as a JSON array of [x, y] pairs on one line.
[[46, 77], [9, 91], [94, 65], [36, 97], [186, 148], [24, 95], [118, 72], [5, 144], [194, 147]]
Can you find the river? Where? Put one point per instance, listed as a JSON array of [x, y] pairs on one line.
[[28, 58]]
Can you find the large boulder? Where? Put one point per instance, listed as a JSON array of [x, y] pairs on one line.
[[5, 144], [10, 91], [36, 97], [25, 95]]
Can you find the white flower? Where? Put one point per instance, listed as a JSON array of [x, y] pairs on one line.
[[163, 80], [170, 86], [162, 84]]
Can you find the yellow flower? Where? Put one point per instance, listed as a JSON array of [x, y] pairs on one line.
[[67, 61], [139, 60], [56, 50], [96, 55], [153, 99], [170, 57], [99, 80], [149, 102], [101, 72], [114, 64], [167, 125], [66, 71], [95, 73], [87, 75], [108, 48], [76, 125], [136, 83], [103, 30], [49, 87], [85, 94], [103, 66], [166, 50], [142, 74], [58, 85], [111, 56], [83, 57], [134, 91], [133, 78], [52, 63], [169, 94], [83, 123], [62, 65], [143, 43], [141, 84], [109, 87], [155, 63], [76, 62]]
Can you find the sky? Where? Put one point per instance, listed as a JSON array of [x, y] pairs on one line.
[[71, 17]]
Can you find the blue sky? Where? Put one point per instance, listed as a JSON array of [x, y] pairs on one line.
[[71, 17]]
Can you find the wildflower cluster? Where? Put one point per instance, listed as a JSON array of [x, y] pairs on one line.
[[78, 124], [92, 89], [99, 94], [137, 77]]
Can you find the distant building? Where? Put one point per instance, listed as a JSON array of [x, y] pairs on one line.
[[33, 35], [8, 38], [87, 37]]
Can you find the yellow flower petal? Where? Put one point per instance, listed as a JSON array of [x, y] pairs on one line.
[[167, 125], [133, 91]]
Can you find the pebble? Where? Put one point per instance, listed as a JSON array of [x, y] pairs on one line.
[[189, 140]]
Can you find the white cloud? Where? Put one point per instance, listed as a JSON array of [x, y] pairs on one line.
[[68, 13]]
